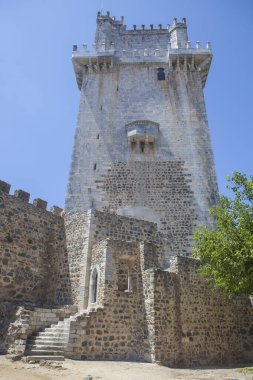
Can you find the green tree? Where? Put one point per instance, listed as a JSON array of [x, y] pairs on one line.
[[226, 253]]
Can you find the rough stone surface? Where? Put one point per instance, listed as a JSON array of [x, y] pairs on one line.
[[21, 194], [161, 185], [34, 262], [169, 316], [5, 187]]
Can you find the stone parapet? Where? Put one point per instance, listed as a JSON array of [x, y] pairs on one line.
[[24, 196], [33, 256], [5, 187]]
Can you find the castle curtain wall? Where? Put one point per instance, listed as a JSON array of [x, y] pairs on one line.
[[33, 255]]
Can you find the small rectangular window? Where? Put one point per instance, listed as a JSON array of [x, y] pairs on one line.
[[160, 74], [95, 166]]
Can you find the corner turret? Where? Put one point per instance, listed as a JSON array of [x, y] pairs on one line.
[[178, 34], [105, 31]]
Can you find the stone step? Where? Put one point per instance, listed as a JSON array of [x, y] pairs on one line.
[[50, 343], [56, 329], [46, 345], [61, 323], [44, 357], [65, 320], [49, 335], [49, 352], [56, 333], [52, 333], [47, 341]]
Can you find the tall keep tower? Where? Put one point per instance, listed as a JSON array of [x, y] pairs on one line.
[[142, 145]]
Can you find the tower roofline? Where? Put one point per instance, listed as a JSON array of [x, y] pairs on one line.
[[120, 22], [115, 45]]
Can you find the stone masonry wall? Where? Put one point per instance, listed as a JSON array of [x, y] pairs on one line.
[[128, 229], [169, 316], [116, 327], [163, 189], [33, 255], [77, 245], [196, 325], [88, 229]]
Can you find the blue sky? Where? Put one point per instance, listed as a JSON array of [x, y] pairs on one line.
[[39, 97]]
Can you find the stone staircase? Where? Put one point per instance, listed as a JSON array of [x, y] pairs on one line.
[[50, 343]]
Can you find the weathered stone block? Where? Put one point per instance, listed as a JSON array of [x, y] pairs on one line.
[[5, 187], [40, 203], [56, 210], [23, 195]]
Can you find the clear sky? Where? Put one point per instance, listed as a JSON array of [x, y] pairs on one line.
[[39, 97]]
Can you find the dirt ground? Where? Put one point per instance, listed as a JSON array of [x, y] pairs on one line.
[[101, 370]]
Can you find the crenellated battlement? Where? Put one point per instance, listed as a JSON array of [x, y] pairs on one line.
[[120, 23], [112, 31], [114, 45], [25, 197]]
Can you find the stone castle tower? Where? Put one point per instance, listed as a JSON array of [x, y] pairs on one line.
[[142, 145], [109, 279]]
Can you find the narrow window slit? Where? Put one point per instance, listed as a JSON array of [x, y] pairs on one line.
[[94, 286]]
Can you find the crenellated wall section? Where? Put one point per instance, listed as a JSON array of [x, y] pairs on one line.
[[33, 255]]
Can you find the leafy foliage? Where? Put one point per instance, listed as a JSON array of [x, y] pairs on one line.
[[226, 252]]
